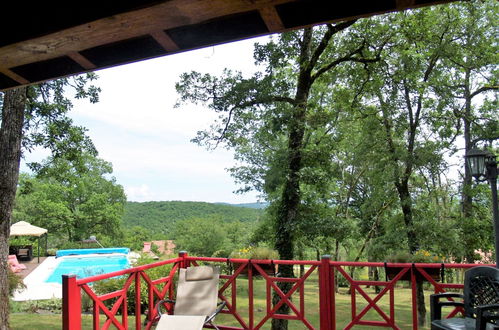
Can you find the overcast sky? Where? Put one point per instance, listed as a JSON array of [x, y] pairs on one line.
[[136, 128]]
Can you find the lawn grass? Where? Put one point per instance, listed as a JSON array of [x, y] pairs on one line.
[[403, 308], [22, 321], [402, 314]]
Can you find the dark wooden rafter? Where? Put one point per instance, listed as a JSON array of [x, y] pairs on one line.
[[14, 76], [139, 30], [82, 60], [165, 41], [272, 19]]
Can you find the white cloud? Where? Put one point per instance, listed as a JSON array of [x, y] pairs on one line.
[[139, 193], [137, 129]]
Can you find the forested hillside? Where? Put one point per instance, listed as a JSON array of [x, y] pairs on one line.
[[160, 216]]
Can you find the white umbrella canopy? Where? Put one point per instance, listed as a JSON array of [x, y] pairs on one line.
[[23, 228]]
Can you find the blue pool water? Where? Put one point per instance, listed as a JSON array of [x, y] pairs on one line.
[[85, 266], [70, 252]]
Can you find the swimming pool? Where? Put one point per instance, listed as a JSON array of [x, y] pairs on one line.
[[79, 252], [87, 262]]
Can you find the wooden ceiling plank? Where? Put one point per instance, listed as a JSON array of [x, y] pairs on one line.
[[165, 41], [272, 19], [14, 76], [148, 21], [164, 16], [82, 60]]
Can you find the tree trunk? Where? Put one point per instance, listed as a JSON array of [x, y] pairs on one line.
[[406, 205], [377, 288], [466, 198], [336, 257], [301, 256], [421, 304], [287, 214], [288, 210], [10, 155]]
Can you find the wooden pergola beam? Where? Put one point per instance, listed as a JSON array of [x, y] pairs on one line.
[[140, 30]]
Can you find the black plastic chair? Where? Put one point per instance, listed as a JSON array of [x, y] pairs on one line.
[[480, 302]]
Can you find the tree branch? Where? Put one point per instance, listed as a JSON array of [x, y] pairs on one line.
[[331, 30], [271, 99], [347, 58], [483, 89]]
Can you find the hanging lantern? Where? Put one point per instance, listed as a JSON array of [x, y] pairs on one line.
[[475, 162]]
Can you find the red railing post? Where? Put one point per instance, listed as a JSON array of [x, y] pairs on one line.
[[326, 308], [138, 311], [183, 255], [71, 303], [414, 298]]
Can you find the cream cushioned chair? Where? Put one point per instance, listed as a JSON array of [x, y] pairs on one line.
[[196, 303]]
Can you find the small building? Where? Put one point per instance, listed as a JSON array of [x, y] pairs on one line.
[[165, 247]]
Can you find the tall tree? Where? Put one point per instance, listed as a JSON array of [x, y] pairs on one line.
[[471, 81], [72, 199], [10, 156], [24, 112], [272, 112], [403, 91]]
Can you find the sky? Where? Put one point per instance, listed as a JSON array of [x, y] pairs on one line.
[[136, 127]]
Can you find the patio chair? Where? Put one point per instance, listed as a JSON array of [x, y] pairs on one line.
[[196, 303], [480, 302], [14, 264], [25, 253]]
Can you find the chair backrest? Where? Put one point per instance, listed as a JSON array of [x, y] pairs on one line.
[[197, 291], [12, 259], [481, 287]]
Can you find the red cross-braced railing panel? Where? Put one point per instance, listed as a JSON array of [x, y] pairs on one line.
[[254, 294], [245, 310]]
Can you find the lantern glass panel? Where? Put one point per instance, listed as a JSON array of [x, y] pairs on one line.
[[476, 165]]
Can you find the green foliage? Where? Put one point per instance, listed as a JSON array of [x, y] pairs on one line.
[[47, 123], [200, 236], [420, 256], [72, 199], [53, 305], [15, 282], [160, 218], [372, 175], [135, 237], [115, 284], [255, 252]]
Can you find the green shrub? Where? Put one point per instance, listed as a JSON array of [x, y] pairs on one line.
[[420, 256], [15, 282], [255, 252], [53, 305], [86, 302], [115, 284]]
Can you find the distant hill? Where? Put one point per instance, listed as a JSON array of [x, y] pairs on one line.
[[161, 216]]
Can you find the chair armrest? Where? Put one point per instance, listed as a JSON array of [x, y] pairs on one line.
[[482, 317], [157, 308], [221, 305], [436, 305], [161, 302]]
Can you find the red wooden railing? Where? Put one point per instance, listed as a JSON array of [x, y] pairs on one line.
[[158, 289]]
